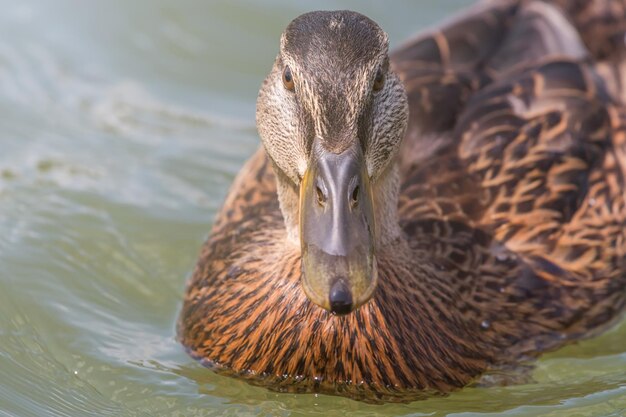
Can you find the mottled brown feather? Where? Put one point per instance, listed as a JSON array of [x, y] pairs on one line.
[[513, 209]]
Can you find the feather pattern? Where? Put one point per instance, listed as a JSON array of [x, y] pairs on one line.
[[512, 208]]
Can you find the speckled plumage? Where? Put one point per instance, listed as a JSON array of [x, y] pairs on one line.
[[511, 207]]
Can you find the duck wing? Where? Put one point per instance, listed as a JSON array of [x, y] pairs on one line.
[[514, 168]]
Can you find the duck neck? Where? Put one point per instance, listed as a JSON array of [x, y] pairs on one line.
[[289, 201], [385, 190]]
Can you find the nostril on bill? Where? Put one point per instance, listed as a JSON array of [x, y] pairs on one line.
[[354, 196], [340, 298]]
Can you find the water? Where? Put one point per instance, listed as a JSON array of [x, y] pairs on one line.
[[122, 124]]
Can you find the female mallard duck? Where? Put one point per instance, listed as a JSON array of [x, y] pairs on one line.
[[347, 260]]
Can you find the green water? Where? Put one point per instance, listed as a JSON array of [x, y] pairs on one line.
[[122, 123]]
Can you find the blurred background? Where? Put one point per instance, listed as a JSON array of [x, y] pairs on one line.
[[122, 124]]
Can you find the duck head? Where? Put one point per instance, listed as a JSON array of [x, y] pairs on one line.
[[331, 115]]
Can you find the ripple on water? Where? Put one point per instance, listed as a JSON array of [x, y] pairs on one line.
[[108, 185]]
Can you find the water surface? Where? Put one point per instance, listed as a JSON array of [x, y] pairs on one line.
[[122, 124]]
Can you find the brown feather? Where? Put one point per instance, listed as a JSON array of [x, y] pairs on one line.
[[513, 210]]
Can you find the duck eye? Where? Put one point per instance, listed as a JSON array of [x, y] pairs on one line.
[[288, 79], [379, 81]]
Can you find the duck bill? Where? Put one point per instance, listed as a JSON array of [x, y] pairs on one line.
[[337, 230]]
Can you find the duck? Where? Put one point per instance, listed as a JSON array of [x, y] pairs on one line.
[[417, 220]]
